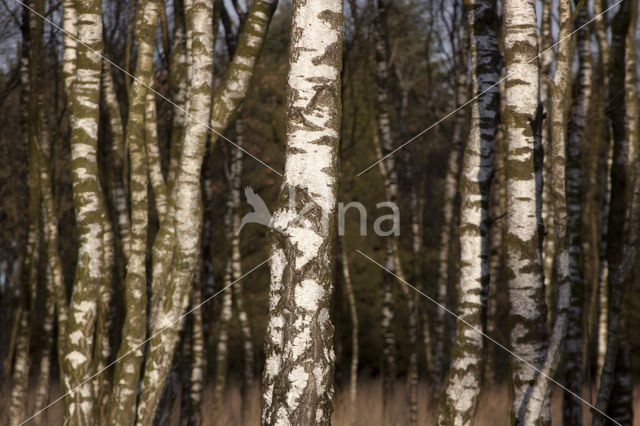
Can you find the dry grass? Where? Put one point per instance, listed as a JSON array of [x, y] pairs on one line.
[[493, 407]]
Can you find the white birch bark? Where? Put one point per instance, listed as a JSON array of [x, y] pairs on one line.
[[222, 346], [29, 269], [90, 215], [180, 231], [122, 406], [298, 374], [560, 90], [156, 178], [548, 247], [459, 398], [524, 263], [236, 260], [235, 83], [117, 154], [355, 329], [198, 357], [452, 177]]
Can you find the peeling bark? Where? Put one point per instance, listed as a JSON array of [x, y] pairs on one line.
[[298, 375]]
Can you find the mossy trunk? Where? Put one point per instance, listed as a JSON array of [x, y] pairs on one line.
[[122, 407]]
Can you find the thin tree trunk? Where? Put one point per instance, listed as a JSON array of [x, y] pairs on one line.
[[573, 366], [90, 215], [355, 348], [122, 408], [449, 216], [625, 197], [29, 270], [298, 375], [498, 206], [602, 273], [235, 83], [462, 388], [177, 245], [384, 145], [156, 178], [116, 167], [236, 261], [548, 248], [222, 349], [198, 357], [616, 381], [522, 115], [537, 408]]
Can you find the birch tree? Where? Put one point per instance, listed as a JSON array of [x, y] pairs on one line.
[[29, 267], [463, 385], [177, 244], [523, 263], [625, 207], [298, 374], [449, 217], [122, 405], [572, 408], [537, 409], [90, 214]]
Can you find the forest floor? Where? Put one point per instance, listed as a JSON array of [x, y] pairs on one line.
[[493, 407]]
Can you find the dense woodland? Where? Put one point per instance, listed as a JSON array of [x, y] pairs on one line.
[[141, 140]]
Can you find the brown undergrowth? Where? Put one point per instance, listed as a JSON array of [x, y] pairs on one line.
[[493, 407]]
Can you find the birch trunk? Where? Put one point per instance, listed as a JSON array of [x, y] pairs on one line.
[[447, 228], [498, 206], [353, 376], [625, 197], [392, 263], [39, 120], [603, 72], [615, 376], [177, 246], [122, 408], [548, 248], [152, 150], [116, 155], [235, 82], [29, 270], [222, 347], [524, 267], [537, 409], [178, 88], [573, 366], [459, 399], [198, 357], [236, 260], [298, 375], [90, 215]]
